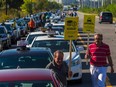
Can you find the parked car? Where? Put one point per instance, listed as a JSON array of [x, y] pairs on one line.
[[16, 30], [32, 35], [106, 17], [57, 42], [21, 24], [5, 37], [29, 78], [10, 31]]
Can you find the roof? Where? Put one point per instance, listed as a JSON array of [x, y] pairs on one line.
[[25, 74], [30, 50], [39, 32], [56, 37]]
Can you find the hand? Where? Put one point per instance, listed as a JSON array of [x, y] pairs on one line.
[[112, 70], [70, 73], [86, 57]]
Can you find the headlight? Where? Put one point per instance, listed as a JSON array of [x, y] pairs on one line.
[[76, 61]]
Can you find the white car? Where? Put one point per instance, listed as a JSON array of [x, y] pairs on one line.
[[58, 43], [32, 35]]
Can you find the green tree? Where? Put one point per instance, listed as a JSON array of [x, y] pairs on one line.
[[27, 7], [40, 5]]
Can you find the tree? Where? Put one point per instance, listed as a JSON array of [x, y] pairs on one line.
[[15, 3], [27, 7], [40, 5]]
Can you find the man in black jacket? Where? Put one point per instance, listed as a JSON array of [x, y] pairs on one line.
[[60, 67]]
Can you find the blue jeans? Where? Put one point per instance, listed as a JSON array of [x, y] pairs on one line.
[[98, 76]]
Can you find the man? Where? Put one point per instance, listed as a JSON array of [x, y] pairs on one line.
[[31, 25], [99, 53], [60, 67]]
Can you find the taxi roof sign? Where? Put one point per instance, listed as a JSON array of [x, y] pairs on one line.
[[22, 43]]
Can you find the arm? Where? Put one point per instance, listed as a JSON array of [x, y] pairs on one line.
[[68, 72], [110, 63], [87, 54]]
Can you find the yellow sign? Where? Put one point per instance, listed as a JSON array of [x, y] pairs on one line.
[[89, 23], [71, 28]]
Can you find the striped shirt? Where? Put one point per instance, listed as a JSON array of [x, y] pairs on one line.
[[98, 54]]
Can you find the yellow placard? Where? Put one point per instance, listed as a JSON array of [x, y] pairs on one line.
[[71, 28], [89, 23]]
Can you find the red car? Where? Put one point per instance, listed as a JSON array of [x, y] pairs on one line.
[[29, 78]]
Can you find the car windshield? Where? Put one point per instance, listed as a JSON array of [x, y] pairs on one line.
[[54, 45], [8, 27], [27, 84], [2, 30], [31, 37], [31, 60]]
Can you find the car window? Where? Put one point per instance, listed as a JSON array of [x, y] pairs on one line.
[[27, 84], [107, 14], [31, 37], [30, 60], [2, 31], [54, 45]]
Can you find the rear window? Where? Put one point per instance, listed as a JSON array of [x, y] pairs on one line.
[[107, 14], [30, 60]]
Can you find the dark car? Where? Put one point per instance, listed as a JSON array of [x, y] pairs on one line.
[[10, 32], [106, 17], [29, 78], [25, 58], [5, 37]]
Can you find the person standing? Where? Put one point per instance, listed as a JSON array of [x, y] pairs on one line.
[[60, 67], [31, 25], [99, 54]]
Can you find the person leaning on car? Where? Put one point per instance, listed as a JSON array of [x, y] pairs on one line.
[[60, 67], [99, 54]]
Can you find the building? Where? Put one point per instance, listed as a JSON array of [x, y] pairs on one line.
[[66, 2]]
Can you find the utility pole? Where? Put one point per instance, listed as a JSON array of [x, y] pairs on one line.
[[102, 3], [6, 7], [111, 2]]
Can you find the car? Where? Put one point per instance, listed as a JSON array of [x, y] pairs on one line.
[[106, 17], [57, 42], [10, 31], [5, 37], [57, 27], [59, 24], [21, 24], [16, 30], [32, 35], [23, 57], [29, 78]]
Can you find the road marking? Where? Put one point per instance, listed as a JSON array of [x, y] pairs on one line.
[[108, 84]]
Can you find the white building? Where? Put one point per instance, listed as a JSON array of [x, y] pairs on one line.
[[66, 2]]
